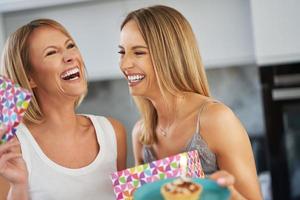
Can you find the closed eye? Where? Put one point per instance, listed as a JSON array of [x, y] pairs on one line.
[[71, 45], [50, 53], [138, 53]]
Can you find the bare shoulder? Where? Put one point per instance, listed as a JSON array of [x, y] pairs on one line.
[[119, 129], [228, 139], [215, 113], [221, 127], [116, 124], [120, 132]]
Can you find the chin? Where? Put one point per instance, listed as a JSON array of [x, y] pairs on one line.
[[76, 91], [82, 91]]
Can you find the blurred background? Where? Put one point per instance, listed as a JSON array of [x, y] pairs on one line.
[[251, 51]]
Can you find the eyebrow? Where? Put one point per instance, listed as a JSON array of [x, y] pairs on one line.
[[53, 46], [135, 47]]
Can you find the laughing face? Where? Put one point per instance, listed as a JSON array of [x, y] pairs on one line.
[[57, 66], [135, 62]]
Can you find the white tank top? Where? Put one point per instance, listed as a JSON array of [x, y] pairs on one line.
[[50, 181]]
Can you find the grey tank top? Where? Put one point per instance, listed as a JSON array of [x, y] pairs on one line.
[[207, 157]]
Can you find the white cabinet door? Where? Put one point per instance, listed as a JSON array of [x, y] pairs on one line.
[[1, 34], [223, 28], [276, 27], [94, 26]]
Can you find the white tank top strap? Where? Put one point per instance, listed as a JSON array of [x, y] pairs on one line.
[[108, 134], [201, 109]]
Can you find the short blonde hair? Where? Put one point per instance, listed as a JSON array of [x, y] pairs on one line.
[[15, 62], [175, 56]]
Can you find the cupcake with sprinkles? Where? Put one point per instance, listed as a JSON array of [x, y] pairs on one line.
[[181, 189]]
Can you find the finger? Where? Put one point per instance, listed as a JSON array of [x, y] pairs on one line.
[[9, 146], [13, 139], [7, 157], [218, 174], [16, 148], [223, 178], [226, 180], [2, 130]]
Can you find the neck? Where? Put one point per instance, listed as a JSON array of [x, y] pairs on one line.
[[59, 114], [167, 110]]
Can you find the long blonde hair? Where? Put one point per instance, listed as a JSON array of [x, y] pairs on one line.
[[15, 62], [175, 56]]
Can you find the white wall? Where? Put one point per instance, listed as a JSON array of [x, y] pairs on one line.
[[94, 26], [276, 25], [223, 29], [14, 5], [1, 34]]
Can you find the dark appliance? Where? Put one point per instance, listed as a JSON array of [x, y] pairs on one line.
[[281, 99]]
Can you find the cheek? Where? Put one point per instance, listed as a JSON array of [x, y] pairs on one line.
[[47, 69], [77, 54], [150, 69]]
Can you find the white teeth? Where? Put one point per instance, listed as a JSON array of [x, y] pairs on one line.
[[134, 78], [70, 72]]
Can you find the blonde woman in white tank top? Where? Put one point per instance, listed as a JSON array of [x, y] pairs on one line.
[[161, 62], [64, 156]]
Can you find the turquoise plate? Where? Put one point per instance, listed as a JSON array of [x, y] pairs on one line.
[[211, 190]]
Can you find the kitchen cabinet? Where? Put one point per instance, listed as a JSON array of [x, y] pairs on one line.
[[223, 30], [276, 30], [1, 34], [94, 26], [16, 5]]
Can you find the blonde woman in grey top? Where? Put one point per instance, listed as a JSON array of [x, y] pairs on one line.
[[161, 62]]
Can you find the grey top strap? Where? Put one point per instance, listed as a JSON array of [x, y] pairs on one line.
[[202, 108]]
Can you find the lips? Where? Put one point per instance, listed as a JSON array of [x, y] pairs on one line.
[[134, 79], [71, 74]]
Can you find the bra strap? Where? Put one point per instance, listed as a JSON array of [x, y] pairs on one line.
[[202, 107]]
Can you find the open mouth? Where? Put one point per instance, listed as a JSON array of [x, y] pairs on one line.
[[134, 78], [71, 74]]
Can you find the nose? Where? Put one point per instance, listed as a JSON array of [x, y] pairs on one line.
[[126, 62], [68, 57]]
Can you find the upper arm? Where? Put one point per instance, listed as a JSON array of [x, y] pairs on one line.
[[121, 143], [229, 140], [137, 146]]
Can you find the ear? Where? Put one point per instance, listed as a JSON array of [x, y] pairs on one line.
[[31, 82]]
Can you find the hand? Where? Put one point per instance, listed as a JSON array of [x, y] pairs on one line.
[[223, 178], [12, 165]]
